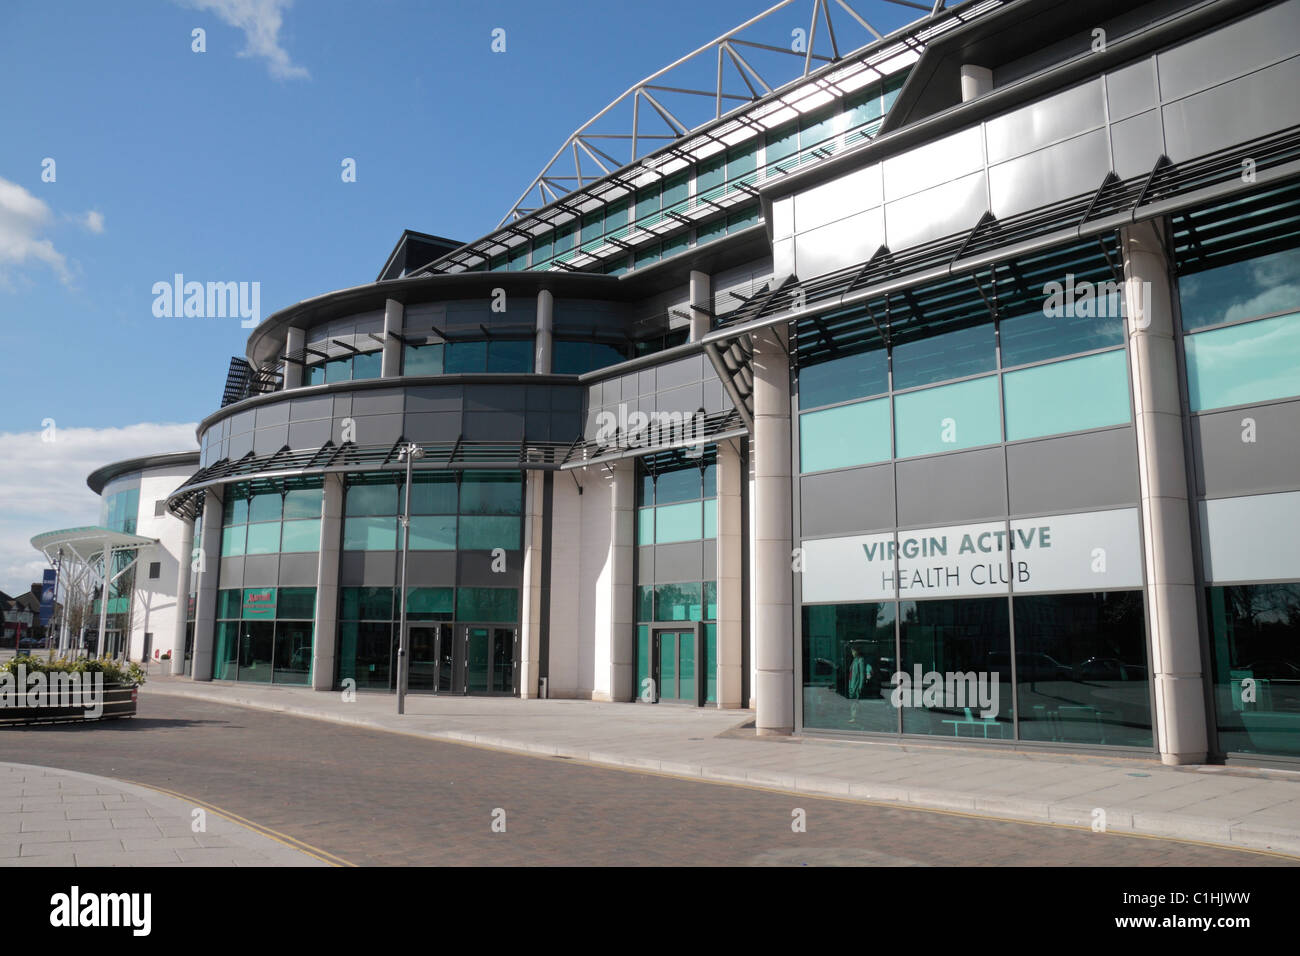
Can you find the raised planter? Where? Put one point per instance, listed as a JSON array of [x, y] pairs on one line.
[[119, 701]]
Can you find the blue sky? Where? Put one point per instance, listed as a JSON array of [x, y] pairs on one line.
[[225, 166]]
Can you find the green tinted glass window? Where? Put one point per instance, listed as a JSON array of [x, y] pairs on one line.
[[491, 493], [711, 518], [433, 495], [367, 604], [263, 538], [302, 503], [316, 374], [645, 602], [302, 535], [338, 370], [1035, 337], [645, 526], [422, 360], [430, 604], [682, 522], [296, 604], [232, 540], [465, 357], [367, 365], [680, 484], [510, 355], [678, 602], [487, 604], [953, 354], [844, 379], [370, 534], [1240, 364], [1087, 392], [843, 436], [265, 507], [961, 415], [433, 532], [228, 603], [479, 533], [368, 499], [1241, 290]]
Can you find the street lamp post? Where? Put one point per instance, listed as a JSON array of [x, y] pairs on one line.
[[409, 452]]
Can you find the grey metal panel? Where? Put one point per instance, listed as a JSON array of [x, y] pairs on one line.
[[709, 555], [681, 372], [378, 401], [493, 426], [963, 486], [537, 425], [1227, 466], [475, 569], [240, 445], [843, 502], [433, 399], [267, 441], [379, 568], [241, 423], [783, 257], [431, 569], [645, 564], [855, 192], [1239, 110], [231, 574], [839, 244], [1230, 51], [675, 563], [1064, 114], [941, 211], [375, 429], [311, 434], [1136, 144], [1072, 472], [594, 392], [537, 397], [636, 384], [566, 399], [342, 405], [715, 399], [1131, 89], [495, 398], [432, 426], [1066, 169], [322, 406], [686, 399], [936, 162], [352, 568], [275, 414], [297, 570], [261, 569], [565, 426]]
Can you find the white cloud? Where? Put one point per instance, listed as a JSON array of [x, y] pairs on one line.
[[260, 20], [93, 221], [23, 218], [43, 484]]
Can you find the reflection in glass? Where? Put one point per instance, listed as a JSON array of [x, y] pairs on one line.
[[956, 639], [1255, 654], [848, 659], [1081, 668]]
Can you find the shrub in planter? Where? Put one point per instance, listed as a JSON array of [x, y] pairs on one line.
[[53, 697]]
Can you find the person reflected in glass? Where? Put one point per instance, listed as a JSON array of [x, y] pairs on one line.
[[859, 674]]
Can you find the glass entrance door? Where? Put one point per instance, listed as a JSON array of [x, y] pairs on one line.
[[423, 654], [674, 654], [491, 656]]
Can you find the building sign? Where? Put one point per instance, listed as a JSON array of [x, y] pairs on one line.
[[259, 603], [1095, 551], [48, 577]]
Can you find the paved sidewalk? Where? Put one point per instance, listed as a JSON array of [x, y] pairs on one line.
[[1243, 808], [63, 818]]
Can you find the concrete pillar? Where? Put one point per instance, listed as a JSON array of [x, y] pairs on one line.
[[701, 298], [184, 561], [325, 636], [545, 342], [773, 591], [390, 363], [975, 81], [730, 594], [294, 340], [531, 621], [205, 601], [615, 629], [1166, 518]]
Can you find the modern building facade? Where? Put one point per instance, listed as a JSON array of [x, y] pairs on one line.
[[949, 390]]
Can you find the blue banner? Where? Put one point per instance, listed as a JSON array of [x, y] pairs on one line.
[[48, 578]]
